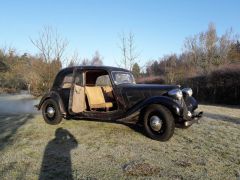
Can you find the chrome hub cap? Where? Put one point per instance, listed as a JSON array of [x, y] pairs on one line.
[[50, 112], [155, 123]]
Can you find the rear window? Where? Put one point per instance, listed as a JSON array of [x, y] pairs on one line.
[[67, 81], [79, 79]]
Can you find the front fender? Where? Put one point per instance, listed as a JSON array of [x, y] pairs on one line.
[[55, 96], [168, 102], [191, 103]]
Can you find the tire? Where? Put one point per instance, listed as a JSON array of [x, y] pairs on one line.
[[54, 119], [162, 115]]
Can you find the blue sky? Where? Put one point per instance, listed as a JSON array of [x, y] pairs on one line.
[[160, 27]]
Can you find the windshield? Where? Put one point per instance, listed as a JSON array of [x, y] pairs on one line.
[[123, 77]]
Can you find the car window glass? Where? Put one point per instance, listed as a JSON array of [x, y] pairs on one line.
[[79, 79], [103, 81], [67, 81], [123, 77]]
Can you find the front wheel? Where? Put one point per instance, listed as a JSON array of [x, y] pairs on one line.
[[51, 113], [158, 122]]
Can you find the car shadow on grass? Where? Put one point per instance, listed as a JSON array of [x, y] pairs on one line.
[[137, 127], [221, 117], [9, 125], [56, 163]]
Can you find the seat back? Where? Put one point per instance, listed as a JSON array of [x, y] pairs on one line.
[[94, 95], [107, 89], [108, 93]]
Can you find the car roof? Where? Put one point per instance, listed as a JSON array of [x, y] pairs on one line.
[[107, 68]]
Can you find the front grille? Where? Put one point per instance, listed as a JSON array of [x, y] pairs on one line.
[[185, 108]]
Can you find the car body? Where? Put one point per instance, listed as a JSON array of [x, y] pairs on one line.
[[110, 94]]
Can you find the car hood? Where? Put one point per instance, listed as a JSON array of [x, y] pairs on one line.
[[134, 93], [142, 87]]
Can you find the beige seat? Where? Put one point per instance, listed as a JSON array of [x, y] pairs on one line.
[[66, 85], [108, 93], [96, 99]]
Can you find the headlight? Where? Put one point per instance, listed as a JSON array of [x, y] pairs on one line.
[[187, 91], [175, 93]]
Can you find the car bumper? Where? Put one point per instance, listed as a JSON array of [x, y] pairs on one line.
[[194, 119]]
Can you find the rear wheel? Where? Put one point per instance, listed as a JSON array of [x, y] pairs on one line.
[[51, 113], [158, 122]]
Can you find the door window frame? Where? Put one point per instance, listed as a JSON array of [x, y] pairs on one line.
[[95, 113], [75, 71]]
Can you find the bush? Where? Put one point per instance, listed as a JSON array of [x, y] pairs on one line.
[[151, 80], [220, 86]]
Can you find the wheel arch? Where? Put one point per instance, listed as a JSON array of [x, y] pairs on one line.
[[165, 101], [55, 96]]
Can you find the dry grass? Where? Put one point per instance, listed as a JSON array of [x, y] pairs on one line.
[[97, 150]]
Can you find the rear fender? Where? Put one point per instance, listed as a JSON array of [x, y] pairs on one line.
[[55, 96]]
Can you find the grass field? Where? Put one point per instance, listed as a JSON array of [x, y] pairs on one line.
[[31, 149]]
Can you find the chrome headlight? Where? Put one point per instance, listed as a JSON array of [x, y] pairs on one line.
[[175, 93], [187, 91]]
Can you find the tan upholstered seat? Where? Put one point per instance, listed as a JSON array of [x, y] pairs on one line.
[[107, 88], [96, 99], [66, 85], [108, 93]]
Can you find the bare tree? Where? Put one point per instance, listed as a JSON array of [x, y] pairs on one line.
[[123, 48], [132, 50], [97, 59], [208, 51], [75, 60], [51, 47], [128, 51], [85, 62], [6, 49], [225, 44], [50, 44]]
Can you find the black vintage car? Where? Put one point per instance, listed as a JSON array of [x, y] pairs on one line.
[[111, 94]]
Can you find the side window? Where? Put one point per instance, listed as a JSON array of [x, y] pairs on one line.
[[79, 79], [103, 81], [67, 81]]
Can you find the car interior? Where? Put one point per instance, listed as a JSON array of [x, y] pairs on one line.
[[96, 95]]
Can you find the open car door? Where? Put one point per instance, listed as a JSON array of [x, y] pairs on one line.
[[77, 103]]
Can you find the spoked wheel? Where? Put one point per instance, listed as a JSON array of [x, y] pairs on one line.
[[51, 112], [158, 123]]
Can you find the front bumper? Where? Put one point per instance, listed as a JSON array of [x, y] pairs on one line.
[[195, 118]]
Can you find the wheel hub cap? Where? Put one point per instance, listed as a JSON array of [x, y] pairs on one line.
[[155, 123], [50, 112]]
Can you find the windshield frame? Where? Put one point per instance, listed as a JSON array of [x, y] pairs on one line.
[[123, 72]]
